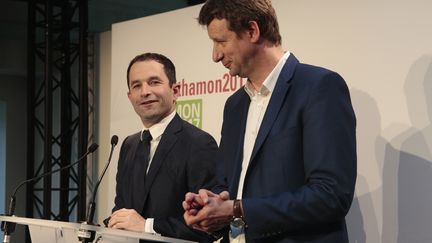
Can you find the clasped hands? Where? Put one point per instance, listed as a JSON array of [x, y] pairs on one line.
[[207, 211]]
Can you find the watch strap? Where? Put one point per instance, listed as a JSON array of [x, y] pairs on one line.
[[237, 209]]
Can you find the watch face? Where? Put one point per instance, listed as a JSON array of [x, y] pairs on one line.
[[238, 222]]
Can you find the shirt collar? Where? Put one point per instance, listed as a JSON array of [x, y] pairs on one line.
[[158, 129], [270, 82]]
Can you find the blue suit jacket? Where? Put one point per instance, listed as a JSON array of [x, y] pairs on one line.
[[184, 161], [300, 181]]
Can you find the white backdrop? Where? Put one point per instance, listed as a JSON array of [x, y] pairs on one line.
[[383, 49]]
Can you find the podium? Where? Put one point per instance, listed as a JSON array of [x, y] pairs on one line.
[[50, 231]]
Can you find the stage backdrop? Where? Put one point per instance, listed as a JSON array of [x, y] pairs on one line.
[[382, 48]]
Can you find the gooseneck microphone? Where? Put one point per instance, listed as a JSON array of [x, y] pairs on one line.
[[8, 227], [83, 234], [91, 207]]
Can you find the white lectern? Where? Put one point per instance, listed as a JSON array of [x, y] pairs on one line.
[[50, 231]]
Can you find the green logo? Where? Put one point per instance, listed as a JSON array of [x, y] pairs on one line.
[[191, 111]]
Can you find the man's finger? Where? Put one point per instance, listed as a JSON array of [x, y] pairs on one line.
[[224, 195]]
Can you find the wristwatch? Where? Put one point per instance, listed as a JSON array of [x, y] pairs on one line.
[[237, 220]]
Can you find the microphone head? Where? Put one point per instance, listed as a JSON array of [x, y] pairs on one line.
[[114, 140], [92, 147]]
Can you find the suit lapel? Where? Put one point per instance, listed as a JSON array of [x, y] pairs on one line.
[[167, 141], [276, 101]]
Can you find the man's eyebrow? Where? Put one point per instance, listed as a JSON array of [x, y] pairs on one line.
[[154, 77], [134, 81], [146, 80]]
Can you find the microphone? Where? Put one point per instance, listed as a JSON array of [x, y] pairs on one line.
[[8, 227], [83, 234]]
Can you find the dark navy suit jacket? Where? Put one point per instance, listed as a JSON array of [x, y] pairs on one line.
[[301, 177], [184, 161]]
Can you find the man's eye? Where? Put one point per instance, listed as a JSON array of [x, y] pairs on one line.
[[154, 81]]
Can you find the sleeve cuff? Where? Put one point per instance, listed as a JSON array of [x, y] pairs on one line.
[[148, 227]]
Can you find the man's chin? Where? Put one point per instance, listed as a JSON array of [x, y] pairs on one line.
[[150, 120], [232, 72], [237, 74]]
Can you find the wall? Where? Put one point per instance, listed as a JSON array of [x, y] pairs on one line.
[[103, 97], [2, 157], [13, 94], [383, 50], [13, 87]]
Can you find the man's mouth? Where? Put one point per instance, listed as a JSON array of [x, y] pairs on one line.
[[147, 102], [227, 65]]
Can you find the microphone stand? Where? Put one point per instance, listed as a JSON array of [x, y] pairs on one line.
[[84, 235], [7, 227]]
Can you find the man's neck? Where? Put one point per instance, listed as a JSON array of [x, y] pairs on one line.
[[266, 59]]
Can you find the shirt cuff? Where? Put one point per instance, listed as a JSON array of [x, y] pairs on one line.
[[148, 227]]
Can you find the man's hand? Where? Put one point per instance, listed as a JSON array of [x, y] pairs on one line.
[[127, 219], [207, 211], [194, 202]]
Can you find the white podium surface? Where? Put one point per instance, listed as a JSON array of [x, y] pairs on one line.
[[50, 231]]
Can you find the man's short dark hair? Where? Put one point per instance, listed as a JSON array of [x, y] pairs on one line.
[[239, 13], [168, 65]]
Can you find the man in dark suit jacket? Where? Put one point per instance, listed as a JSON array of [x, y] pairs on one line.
[[181, 157], [288, 137]]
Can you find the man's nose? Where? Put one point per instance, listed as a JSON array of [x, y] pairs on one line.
[[217, 54], [145, 89]]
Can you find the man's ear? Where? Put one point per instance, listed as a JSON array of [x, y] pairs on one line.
[[129, 94], [176, 90], [253, 31]]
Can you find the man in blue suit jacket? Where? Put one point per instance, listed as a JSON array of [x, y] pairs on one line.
[[288, 142]]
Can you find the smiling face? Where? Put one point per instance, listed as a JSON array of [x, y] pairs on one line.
[[150, 93], [235, 51]]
